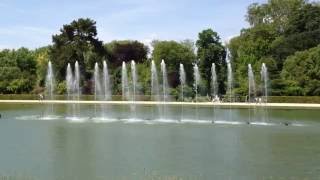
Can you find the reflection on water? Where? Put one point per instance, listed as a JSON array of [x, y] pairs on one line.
[[57, 149]]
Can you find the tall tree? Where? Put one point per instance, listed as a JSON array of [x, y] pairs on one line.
[[210, 50], [77, 41]]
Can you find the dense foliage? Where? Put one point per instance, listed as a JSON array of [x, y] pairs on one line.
[[279, 29], [283, 34]]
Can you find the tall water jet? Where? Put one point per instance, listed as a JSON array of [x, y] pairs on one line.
[[214, 81], [214, 87], [106, 82], [134, 87], [165, 87], [155, 92], [77, 90], [49, 89], [230, 82], [106, 86], [251, 88], [124, 83], [182, 78], [97, 86], [196, 76], [264, 80], [69, 81], [251, 84]]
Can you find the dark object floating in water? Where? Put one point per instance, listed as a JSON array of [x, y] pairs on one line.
[[286, 123], [248, 123]]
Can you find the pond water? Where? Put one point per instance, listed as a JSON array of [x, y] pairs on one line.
[[178, 146]]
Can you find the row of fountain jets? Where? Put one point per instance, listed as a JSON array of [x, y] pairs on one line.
[[102, 85]]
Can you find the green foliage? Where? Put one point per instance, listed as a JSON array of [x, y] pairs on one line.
[[279, 28], [18, 71], [303, 71], [61, 88], [126, 51], [211, 50], [174, 53]]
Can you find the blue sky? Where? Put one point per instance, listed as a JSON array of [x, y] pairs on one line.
[[31, 23]]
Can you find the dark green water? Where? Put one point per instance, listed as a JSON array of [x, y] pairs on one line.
[[59, 149]]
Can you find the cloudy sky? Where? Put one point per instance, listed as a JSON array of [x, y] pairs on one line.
[[31, 23]]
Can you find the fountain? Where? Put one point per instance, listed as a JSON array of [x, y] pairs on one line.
[[106, 82], [251, 89], [106, 88], [214, 82], [264, 79], [73, 89], [49, 86], [196, 76], [251, 85], [124, 83], [214, 88], [155, 92], [165, 88], [97, 87], [69, 81], [230, 82], [134, 88], [77, 88], [182, 78]]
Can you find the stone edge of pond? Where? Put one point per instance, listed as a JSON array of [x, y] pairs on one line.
[[152, 103]]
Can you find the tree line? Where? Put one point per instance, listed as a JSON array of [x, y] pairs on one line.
[[283, 34]]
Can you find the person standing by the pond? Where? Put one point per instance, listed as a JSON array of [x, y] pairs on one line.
[[40, 97]]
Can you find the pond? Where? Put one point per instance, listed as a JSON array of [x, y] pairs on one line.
[[171, 142]]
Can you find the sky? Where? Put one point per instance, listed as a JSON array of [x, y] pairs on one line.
[[32, 23]]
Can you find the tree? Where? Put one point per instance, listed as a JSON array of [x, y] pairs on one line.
[[18, 71], [126, 51], [77, 41], [302, 73], [174, 53], [302, 32], [211, 50], [274, 12]]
